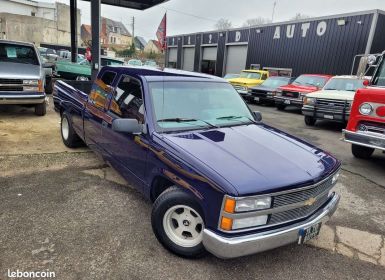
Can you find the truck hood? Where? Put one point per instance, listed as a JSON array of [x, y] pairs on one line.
[[263, 88], [297, 88], [244, 81], [11, 70], [333, 94], [254, 159]]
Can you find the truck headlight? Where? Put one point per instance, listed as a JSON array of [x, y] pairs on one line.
[[271, 93], [366, 109], [309, 101], [252, 204], [335, 178], [30, 82], [278, 93], [249, 222]]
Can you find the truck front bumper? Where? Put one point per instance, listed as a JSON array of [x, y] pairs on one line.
[[22, 98], [232, 247], [298, 102], [325, 114], [370, 140]]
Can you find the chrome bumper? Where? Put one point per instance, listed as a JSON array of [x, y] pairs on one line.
[[20, 99], [232, 247], [289, 101], [371, 140]]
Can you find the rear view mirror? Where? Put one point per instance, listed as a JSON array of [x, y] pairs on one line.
[[127, 125], [257, 116]]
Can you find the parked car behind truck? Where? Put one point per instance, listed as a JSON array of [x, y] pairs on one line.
[[366, 126], [266, 92], [334, 101], [22, 77], [219, 178], [248, 79], [294, 93]]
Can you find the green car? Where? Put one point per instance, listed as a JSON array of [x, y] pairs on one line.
[[81, 71]]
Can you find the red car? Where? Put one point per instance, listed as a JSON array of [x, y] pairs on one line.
[[293, 93], [366, 127]]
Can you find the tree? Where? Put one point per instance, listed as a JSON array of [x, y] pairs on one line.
[[256, 21], [223, 24], [299, 16]]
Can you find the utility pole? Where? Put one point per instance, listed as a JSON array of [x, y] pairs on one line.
[[133, 27], [272, 16]]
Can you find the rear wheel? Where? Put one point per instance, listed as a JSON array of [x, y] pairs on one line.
[[310, 121], [361, 151], [41, 109], [280, 107], [178, 224], [68, 134]]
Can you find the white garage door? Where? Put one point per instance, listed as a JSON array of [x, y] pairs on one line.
[[209, 53], [188, 59], [236, 59], [172, 54]]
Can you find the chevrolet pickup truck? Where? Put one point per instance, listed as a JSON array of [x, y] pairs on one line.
[[294, 93], [265, 92], [22, 77], [334, 101], [219, 179], [366, 126], [248, 79]]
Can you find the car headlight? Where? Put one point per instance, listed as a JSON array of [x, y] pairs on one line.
[[271, 93], [309, 101], [252, 204], [366, 109], [278, 93], [30, 82], [249, 222], [335, 178]]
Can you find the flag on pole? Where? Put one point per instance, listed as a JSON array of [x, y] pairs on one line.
[[161, 32]]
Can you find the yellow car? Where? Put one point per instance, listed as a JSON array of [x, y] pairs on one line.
[[248, 79]]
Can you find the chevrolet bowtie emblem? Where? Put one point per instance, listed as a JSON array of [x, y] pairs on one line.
[[310, 201]]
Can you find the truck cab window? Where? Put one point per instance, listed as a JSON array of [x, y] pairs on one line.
[[128, 100], [101, 88]]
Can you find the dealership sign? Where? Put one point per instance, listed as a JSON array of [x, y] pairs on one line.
[[291, 29]]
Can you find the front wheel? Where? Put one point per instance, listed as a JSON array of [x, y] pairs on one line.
[[280, 107], [178, 224], [41, 109], [361, 151], [310, 121]]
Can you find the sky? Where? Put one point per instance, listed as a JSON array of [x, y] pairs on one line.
[[190, 16]]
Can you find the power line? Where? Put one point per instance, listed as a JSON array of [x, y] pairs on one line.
[[191, 15]]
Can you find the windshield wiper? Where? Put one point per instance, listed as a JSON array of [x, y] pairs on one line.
[[181, 120], [235, 117]]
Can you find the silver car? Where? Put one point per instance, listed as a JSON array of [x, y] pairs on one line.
[[22, 76]]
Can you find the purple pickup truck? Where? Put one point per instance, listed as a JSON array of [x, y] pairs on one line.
[[220, 180]]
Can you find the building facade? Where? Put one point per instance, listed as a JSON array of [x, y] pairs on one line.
[[152, 46], [325, 45]]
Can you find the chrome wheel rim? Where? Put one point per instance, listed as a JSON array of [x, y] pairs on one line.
[[183, 225], [65, 130]]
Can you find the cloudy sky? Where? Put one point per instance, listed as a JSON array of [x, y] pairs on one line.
[[187, 16]]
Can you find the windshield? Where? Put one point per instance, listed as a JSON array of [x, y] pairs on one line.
[[150, 63], [275, 82], [344, 84], [379, 78], [250, 75], [135, 62], [182, 106], [310, 81], [107, 62], [18, 54]]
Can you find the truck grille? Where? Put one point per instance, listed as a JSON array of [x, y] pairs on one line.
[[333, 105], [259, 92], [290, 94], [319, 192], [372, 127], [11, 85]]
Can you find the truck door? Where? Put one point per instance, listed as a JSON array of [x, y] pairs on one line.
[[126, 150], [95, 111]]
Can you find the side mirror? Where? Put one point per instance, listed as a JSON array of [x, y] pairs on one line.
[[127, 125], [366, 83], [257, 116]]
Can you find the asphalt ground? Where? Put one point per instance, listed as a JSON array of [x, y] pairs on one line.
[[66, 211]]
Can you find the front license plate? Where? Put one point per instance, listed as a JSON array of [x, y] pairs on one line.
[[287, 102], [256, 99], [306, 234], [329, 117]]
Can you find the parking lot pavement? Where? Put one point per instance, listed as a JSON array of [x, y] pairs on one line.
[[67, 212]]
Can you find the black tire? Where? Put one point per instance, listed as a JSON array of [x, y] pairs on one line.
[[69, 136], [280, 107], [310, 121], [41, 109], [48, 86], [172, 197], [362, 152]]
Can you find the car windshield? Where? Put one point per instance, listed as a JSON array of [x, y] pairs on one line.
[[379, 79], [135, 62], [18, 54], [344, 84], [107, 62], [250, 75], [275, 82], [182, 106], [150, 63], [315, 81]]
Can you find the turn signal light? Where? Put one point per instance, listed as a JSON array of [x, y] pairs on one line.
[[381, 111], [40, 86], [229, 205], [226, 223]]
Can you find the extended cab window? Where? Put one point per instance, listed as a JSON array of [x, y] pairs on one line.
[[128, 100], [379, 79], [101, 88]]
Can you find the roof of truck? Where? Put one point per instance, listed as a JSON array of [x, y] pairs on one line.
[[163, 74], [16, 42]]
